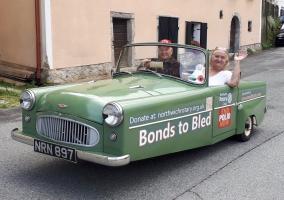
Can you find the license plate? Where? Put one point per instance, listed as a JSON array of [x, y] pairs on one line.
[[55, 150]]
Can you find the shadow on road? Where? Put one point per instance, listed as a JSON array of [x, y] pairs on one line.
[[87, 180]]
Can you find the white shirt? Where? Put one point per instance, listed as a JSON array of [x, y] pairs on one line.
[[220, 78]]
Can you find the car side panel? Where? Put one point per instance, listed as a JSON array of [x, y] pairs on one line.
[[163, 125]]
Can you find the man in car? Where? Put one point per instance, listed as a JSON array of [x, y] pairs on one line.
[[165, 63]]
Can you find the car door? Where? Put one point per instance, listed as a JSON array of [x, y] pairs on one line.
[[224, 111]]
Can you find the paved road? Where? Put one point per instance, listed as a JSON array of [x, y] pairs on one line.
[[227, 170]]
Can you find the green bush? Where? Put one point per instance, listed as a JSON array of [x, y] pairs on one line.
[[274, 26], [251, 51], [266, 45]]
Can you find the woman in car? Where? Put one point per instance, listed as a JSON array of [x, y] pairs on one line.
[[218, 74]]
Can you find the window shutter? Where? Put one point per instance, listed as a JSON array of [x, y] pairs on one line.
[[203, 35]]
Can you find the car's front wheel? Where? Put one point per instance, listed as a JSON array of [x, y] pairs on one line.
[[245, 136]]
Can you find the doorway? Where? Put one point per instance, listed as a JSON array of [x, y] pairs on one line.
[[235, 35], [120, 36]]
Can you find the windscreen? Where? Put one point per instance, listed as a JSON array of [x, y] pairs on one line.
[[187, 64]]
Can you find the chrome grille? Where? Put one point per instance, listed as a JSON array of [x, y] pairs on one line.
[[67, 131]]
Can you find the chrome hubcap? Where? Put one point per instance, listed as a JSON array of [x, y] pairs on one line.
[[248, 126]]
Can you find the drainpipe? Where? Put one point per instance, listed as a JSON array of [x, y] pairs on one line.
[[38, 42]]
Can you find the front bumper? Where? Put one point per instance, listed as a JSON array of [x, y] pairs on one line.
[[112, 161]]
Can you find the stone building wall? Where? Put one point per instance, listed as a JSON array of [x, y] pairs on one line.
[[75, 74]]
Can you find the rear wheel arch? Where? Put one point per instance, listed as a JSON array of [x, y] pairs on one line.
[[248, 129]]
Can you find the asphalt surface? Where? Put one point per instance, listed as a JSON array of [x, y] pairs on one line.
[[227, 170]]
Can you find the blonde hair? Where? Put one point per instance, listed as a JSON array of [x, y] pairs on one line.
[[225, 51]]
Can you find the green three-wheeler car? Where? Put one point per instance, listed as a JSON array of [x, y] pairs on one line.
[[140, 112]]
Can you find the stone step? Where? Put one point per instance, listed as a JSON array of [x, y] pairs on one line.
[[16, 73], [12, 81]]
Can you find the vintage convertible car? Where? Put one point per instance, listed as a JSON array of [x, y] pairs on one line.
[[140, 112]]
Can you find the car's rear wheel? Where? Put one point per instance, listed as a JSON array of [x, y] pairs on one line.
[[245, 136]]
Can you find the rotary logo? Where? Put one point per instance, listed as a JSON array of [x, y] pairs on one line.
[[225, 98]]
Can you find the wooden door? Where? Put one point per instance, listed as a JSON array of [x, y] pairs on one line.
[[120, 34]]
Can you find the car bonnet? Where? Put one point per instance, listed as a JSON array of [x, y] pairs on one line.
[[87, 100]]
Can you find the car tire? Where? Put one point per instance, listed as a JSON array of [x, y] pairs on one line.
[[245, 136]]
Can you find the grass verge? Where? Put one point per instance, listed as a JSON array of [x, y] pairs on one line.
[[10, 94]]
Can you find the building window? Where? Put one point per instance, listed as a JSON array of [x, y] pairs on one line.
[[249, 26], [168, 29], [196, 34], [221, 14]]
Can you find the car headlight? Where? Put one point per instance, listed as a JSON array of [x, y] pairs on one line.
[[27, 100], [113, 114]]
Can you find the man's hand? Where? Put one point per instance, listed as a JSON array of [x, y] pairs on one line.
[[146, 63]]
